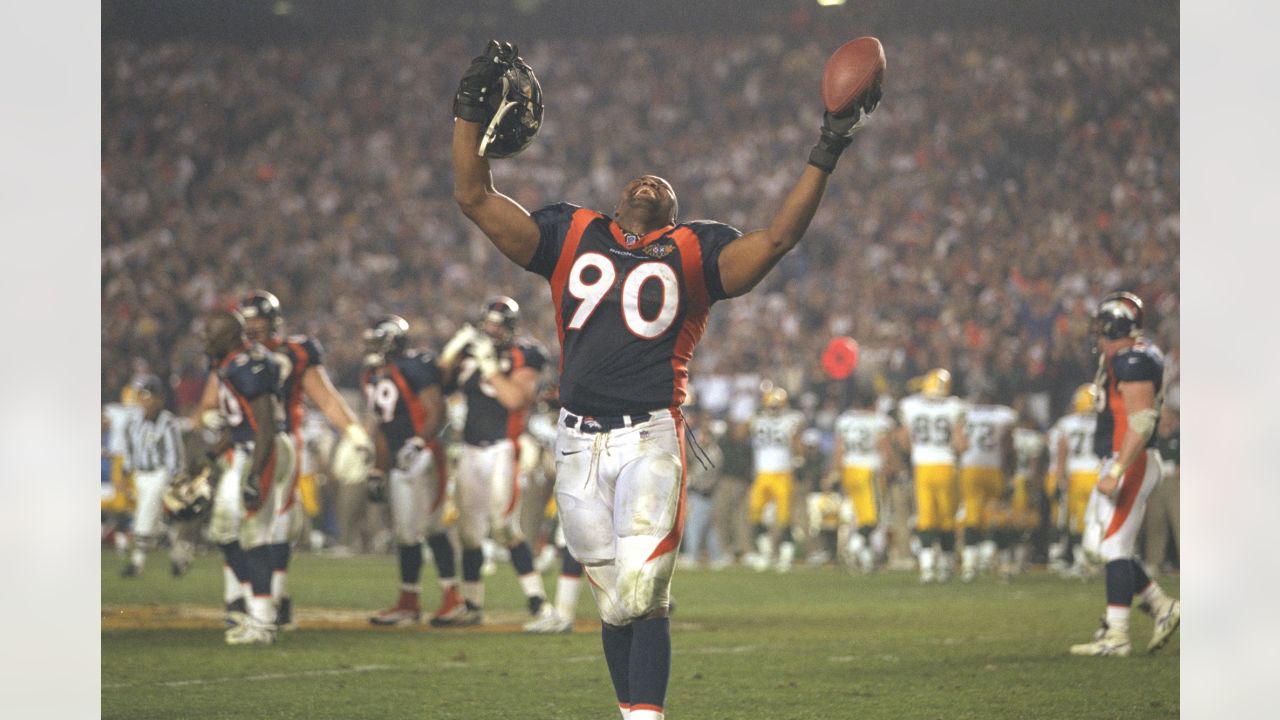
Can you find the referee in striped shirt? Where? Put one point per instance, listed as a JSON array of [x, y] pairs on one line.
[[154, 453]]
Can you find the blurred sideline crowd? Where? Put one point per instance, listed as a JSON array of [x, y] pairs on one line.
[[1009, 182]]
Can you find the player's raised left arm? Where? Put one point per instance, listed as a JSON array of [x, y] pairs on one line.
[[1140, 403], [745, 261]]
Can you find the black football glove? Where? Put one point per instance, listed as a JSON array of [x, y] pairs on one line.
[[481, 81], [838, 130]]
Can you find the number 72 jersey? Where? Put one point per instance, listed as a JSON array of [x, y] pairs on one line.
[[629, 309]]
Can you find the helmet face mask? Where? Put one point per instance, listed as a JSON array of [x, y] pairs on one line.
[[499, 317], [387, 337], [517, 113], [1119, 315], [257, 307]]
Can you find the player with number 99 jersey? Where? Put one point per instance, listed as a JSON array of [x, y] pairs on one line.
[[629, 309]]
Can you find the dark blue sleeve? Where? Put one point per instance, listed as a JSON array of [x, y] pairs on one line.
[[312, 348], [553, 224], [421, 371], [1137, 366], [256, 375], [712, 238], [534, 356]]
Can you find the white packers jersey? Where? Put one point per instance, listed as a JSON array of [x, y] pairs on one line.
[[1028, 445], [1078, 429], [860, 431], [986, 425], [932, 423], [771, 440]]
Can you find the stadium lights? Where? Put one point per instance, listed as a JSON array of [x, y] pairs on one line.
[[830, 3]]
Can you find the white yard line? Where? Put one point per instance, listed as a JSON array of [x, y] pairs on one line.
[[254, 678]]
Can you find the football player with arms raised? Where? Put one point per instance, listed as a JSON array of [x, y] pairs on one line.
[[497, 373], [863, 459], [631, 293], [302, 355], [403, 389], [1129, 380], [258, 480], [1077, 466], [982, 473]]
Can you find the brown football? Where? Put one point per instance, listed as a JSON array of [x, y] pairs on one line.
[[850, 71]]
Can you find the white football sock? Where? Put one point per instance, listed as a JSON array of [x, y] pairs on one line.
[[231, 590], [532, 585], [279, 585], [473, 591], [567, 590]]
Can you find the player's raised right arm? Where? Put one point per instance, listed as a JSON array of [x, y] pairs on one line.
[[502, 219]]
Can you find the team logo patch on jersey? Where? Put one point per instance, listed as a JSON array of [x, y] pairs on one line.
[[660, 250], [630, 239]]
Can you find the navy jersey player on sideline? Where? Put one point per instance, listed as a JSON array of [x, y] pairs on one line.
[[498, 374], [403, 392], [260, 470], [631, 293], [302, 356], [1129, 379]]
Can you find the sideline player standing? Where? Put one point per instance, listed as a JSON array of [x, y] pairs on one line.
[[1130, 376], [982, 474], [933, 422], [631, 295], [497, 373], [301, 356], [1077, 466], [863, 458], [403, 391], [154, 456], [261, 470]]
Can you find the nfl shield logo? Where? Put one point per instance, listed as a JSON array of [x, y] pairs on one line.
[[630, 239]]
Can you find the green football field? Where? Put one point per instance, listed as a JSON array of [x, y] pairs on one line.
[[815, 643]]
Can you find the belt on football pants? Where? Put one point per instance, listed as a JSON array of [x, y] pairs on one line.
[[599, 424]]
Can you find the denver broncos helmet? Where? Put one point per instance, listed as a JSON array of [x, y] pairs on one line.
[[1119, 315], [261, 303], [936, 383], [387, 336], [503, 312], [192, 497], [517, 111], [1085, 398]]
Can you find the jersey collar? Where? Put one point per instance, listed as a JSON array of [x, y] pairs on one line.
[[631, 241]]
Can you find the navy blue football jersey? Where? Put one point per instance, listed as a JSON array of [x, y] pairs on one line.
[[1142, 361], [301, 352], [391, 391], [487, 420], [243, 376], [629, 309]]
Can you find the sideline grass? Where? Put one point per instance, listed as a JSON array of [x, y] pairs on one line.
[[812, 644]]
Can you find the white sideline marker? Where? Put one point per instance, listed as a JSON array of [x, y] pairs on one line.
[[255, 678]]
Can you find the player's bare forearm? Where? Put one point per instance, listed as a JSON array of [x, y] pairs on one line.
[[317, 385], [264, 435], [506, 224], [745, 261], [1137, 397], [515, 391], [433, 402]]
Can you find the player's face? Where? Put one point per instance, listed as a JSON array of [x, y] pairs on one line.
[[257, 329], [497, 331], [651, 193]]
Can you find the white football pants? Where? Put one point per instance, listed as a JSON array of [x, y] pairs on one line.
[[230, 519], [1111, 526], [416, 494], [149, 486], [489, 494]]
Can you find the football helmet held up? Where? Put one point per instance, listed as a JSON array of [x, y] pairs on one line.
[[1119, 315], [936, 383], [517, 110], [386, 337]]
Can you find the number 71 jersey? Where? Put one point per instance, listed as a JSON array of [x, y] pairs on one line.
[[629, 309]]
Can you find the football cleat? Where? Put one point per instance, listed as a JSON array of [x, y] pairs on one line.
[[130, 571], [452, 606], [1107, 641], [549, 621], [396, 616], [251, 632], [1168, 616], [179, 568]]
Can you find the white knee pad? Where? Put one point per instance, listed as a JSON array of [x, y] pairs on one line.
[[604, 581], [644, 585], [224, 522]]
